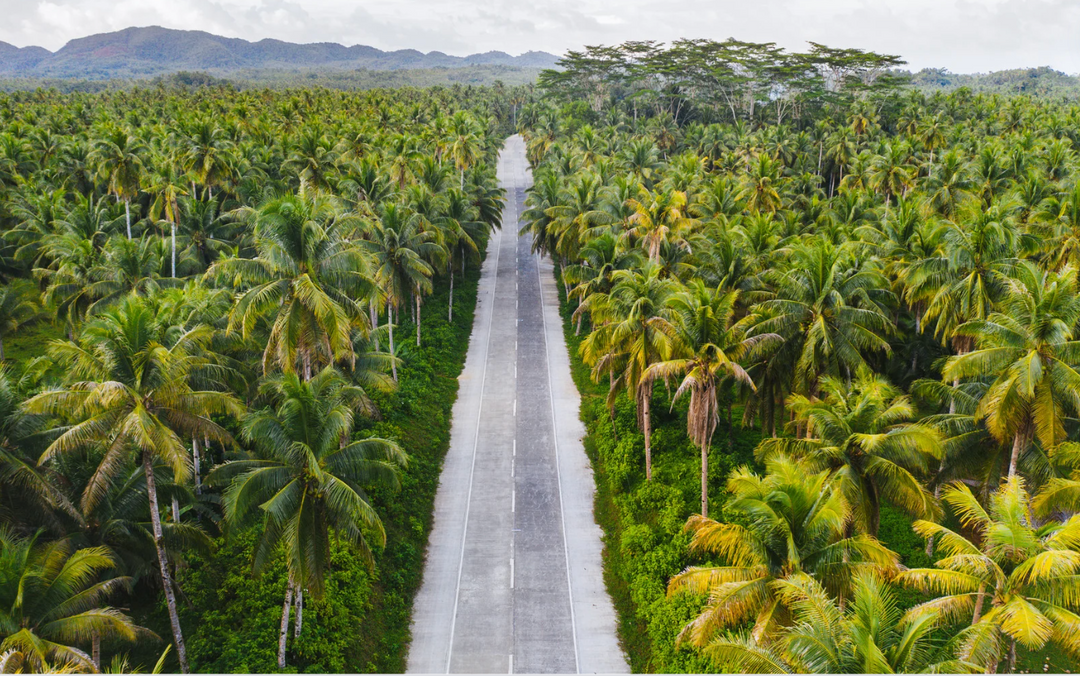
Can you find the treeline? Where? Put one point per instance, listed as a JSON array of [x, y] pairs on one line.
[[1044, 81], [224, 363], [717, 81], [835, 367]]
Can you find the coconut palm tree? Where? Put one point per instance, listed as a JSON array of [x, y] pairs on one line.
[[308, 480], [52, 602], [399, 246], [863, 432], [464, 146], [628, 338], [1014, 577], [128, 391], [706, 350], [119, 158], [1029, 351], [166, 186], [829, 309], [792, 522], [870, 635], [306, 277], [659, 218]]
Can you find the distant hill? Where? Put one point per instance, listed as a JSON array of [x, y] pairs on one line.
[[152, 51]]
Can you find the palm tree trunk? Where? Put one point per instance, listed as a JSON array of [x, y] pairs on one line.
[[163, 564], [1020, 444], [95, 651], [2, 357], [127, 215], [174, 250], [462, 182], [647, 420], [979, 604], [450, 312], [390, 326], [299, 612], [417, 319], [283, 636], [175, 510], [1012, 656], [705, 477], [373, 317], [197, 461]]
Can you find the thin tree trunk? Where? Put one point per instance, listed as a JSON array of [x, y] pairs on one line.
[[95, 651], [163, 564], [175, 510], [283, 636], [979, 604], [197, 461], [127, 215], [2, 357], [390, 325], [174, 250], [462, 182], [705, 477], [299, 612], [647, 418], [373, 315], [1012, 656], [417, 320], [1020, 443]]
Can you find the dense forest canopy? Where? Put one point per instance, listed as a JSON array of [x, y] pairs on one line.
[[827, 329], [825, 325], [217, 324]]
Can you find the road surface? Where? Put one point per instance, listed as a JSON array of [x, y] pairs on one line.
[[513, 580]]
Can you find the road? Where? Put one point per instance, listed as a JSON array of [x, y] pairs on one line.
[[513, 581]]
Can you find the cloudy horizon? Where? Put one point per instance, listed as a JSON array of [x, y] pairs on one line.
[[960, 35]]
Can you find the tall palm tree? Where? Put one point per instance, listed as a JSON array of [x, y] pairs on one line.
[[119, 158], [795, 522], [52, 601], [706, 350], [128, 391], [306, 277], [464, 146], [1029, 351], [1014, 577], [166, 186], [399, 246], [309, 481], [628, 339], [862, 432], [659, 218], [830, 311]]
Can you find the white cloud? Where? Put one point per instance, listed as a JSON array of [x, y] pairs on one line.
[[962, 35]]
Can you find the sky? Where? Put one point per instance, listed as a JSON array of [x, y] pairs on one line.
[[961, 35]]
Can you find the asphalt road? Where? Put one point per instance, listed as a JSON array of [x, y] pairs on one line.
[[513, 580]]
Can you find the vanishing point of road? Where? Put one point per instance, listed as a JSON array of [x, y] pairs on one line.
[[513, 580]]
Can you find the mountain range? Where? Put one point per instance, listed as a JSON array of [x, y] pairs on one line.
[[153, 50]]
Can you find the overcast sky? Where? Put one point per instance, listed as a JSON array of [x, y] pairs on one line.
[[961, 35]]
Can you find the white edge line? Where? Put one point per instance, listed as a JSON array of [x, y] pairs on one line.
[[558, 471], [476, 443]]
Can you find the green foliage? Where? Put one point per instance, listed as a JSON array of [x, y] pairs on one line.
[[235, 616]]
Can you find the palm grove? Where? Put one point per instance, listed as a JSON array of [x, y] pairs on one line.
[[883, 286], [227, 289]]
